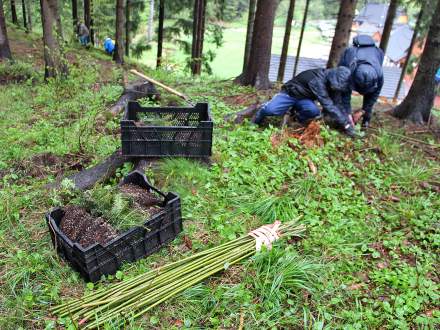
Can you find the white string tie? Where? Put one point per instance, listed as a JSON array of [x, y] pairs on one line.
[[266, 235]]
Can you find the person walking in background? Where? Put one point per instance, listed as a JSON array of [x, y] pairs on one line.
[[109, 46], [301, 92], [364, 59], [83, 34]]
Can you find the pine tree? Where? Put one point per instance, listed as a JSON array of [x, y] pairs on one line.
[[54, 57], [256, 72], [419, 101], [391, 15], [118, 54], [5, 51], [342, 31], [286, 41]]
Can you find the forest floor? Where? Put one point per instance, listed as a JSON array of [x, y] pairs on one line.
[[369, 259]]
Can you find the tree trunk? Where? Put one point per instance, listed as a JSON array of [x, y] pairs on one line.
[[14, 13], [88, 19], [342, 31], [29, 14], [301, 36], [75, 14], [198, 36], [257, 71], [118, 54], [391, 15], [127, 27], [5, 51], [23, 11], [150, 21], [250, 29], [160, 33], [409, 53], [54, 57], [286, 40], [101, 172], [419, 101]]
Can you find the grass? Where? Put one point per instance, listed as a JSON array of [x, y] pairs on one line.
[[368, 259], [228, 62]]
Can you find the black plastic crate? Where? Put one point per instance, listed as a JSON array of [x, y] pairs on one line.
[[167, 131], [138, 242]]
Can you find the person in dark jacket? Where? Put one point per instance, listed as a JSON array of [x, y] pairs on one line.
[[365, 61], [301, 92]]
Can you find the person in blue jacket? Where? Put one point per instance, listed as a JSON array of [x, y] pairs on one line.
[[301, 92], [437, 76], [109, 46], [364, 59]]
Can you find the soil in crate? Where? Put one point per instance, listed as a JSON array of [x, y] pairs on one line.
[[143, 199], [81, 227]]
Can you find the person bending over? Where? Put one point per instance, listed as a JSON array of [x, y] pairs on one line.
[[300, 93], [83, 34], [365, 61]]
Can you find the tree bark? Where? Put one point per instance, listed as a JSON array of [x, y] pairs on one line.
[[88, 19], [150, 21], [198, 36], [391, 15], [409, 53], [23, 11], [133, 92], [87, 178], [160, 33], [419, 101], [14, 13], [5, 51], [301, 36], [118, 54], [257, 70], [127, 27], [75, 14], [286, 40], [29, 14], [249, 32], [54, 57], [342, 31]]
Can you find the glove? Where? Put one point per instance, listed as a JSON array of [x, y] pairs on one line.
[[350, 131]]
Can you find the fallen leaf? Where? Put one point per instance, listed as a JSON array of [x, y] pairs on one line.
[[382, 265], [356, 286], [178, 323], [312, 166], [188, 242]]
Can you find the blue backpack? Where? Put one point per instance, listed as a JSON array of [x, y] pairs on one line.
[[437, 76]]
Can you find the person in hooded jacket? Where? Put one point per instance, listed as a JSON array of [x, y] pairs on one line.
[[364, 59], [300, 93]]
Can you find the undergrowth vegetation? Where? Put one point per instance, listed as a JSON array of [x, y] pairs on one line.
[[369, 258]]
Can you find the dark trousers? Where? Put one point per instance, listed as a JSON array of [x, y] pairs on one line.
[[305, 109]]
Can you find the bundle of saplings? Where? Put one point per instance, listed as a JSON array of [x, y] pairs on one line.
[[121, 302], [102, 213]]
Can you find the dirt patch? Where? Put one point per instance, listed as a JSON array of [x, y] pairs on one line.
[[10, 79], [309, 136], [79, 226], [42, 165]]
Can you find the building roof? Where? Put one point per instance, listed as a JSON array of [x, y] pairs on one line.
[[399, 42], [376, 13], [391, 74]]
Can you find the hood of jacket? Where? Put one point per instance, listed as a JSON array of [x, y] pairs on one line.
[[339, 79]]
